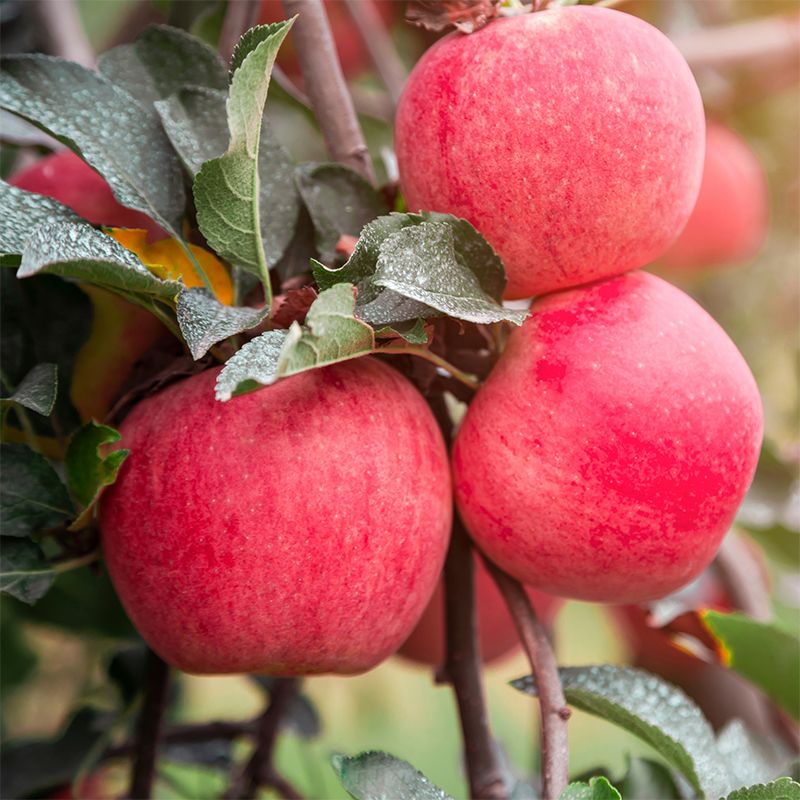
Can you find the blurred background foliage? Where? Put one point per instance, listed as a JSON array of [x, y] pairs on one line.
[[56, 655]]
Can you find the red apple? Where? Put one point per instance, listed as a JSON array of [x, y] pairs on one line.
[[606, 456], [299, 529], [729, 221], [572, 138], [496, 632]]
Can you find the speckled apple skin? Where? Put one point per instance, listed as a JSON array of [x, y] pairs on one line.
[[729, 222], [571, 138], [299, 529], [497, 635], [606, 455]]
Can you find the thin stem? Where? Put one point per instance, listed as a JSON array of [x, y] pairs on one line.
[[463, 671], [240, 15], [555, 713], [326, 86], [379, 43], [743, 578], [75, 563], [62, 28], [148, 732], [409, 350]]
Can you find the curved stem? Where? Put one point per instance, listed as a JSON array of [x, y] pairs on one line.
[[409, 350], [75, 563]]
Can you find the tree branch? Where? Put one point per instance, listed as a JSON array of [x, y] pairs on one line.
[[148, 731], [240, 16], [379, 43], [555, 713], [463, 671], [326, 87], [260, 769], [63, 31]]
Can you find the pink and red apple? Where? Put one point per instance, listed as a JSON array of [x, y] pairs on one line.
[[299, 529], [571, 138], [605, 457]]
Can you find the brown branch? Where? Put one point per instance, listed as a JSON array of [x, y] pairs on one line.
[[326, 87], [555, 713], [379, 43], [260, 769], [63, 31], [148, 731], [240, 16], [463, 671]]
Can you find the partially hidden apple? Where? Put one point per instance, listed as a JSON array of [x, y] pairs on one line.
[[571, 138], [497, 635], [298, 529], [729, 222], [605, 457]]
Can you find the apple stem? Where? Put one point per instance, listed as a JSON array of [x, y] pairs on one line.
[[423, 352], [148, 731], [554, 709], [240, 16], [326, 86]]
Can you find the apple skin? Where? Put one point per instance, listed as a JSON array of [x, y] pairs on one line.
[[496, 632], [295, 530], [571, 138], [605, 457], [729, 222]]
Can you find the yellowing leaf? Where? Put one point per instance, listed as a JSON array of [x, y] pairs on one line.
[[167, 260]]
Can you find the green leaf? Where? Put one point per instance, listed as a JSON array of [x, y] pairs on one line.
[[88, 470], [751, 758], [333, 334], [17, 659], [652, 709], [204, 321], [37, 391], [24, 571], [227, 189], [194, 120], [339, 201], [23, 212], [765, 654], [105, 125], [160, 62], [782, 789], [413, 332], [596, 789], [83, 253], [380, 776], [32, 496], [646, 779]]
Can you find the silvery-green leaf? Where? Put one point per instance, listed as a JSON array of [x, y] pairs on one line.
[[380, 776], [339, 201], [81, 252], [116, 135], [657, 712], [160, 62], [204, 321], [421, 263], [37, 391], [751, 758], [24, 572], [227, 189], [194, 120], [23, 212]]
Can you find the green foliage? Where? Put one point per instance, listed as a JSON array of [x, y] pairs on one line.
[[37, 391], [24, 571], [782, 789], [124, 142], [655, 711], [17, 660], [764, 653], [646, 779], [379, 776], [32, 496], [595, 789]]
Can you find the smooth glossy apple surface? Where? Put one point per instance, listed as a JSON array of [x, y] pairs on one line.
[[729, 222], [497, 635], [295, 530], [572, 138], [606, 455]]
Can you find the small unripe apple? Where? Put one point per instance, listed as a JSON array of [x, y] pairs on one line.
[[605, 457], [729, 221], [571, 138], [497, 634], [299, 529]]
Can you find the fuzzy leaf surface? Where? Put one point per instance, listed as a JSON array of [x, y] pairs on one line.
[[782, 789], [24, 572], [105, 125], [595, 789], [32, 496], [380, 776], [204, 321], [652, 709], [37, 391], [751, 758]]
